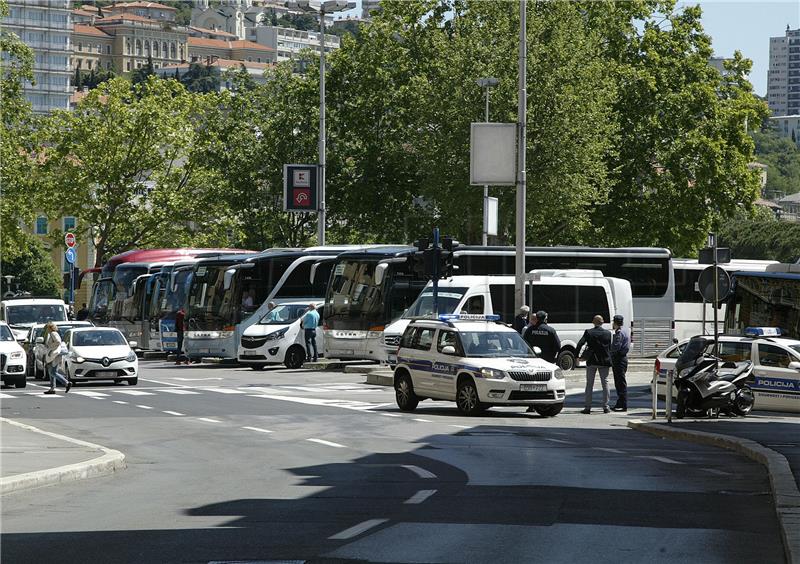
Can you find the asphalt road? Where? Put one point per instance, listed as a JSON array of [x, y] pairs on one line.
[[229, 464]]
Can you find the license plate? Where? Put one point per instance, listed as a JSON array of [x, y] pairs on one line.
[[533, 387], [249, 353], [204, 351], [105, 374]]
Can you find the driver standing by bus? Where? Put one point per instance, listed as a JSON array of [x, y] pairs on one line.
[[309, 324]]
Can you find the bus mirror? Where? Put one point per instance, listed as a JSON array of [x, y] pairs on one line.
[[795, 365], [227, 279], [380, 271]]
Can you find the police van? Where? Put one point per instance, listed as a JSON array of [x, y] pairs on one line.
[[570, 297], [476, 361]]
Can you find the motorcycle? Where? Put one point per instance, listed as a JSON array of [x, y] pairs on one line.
[[706, 387]]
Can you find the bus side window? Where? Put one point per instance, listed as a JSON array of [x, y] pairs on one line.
[[474, 305]]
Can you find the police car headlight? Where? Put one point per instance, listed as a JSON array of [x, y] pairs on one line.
[[277, 334], [559, 374], [493, 373]]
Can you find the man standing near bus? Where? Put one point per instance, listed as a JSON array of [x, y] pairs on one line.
[[598, 360], [521, 320], [309, 323], [620, 346]]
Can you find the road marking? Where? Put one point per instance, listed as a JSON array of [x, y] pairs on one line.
[[390, 414], [420, 496], [560, 441], [343, 404], [326, 443], [209, 420], [421, 472], [612, 450], [90, 394], [159, 382], [6, 396], [135, 393], [258, 429], [121, 402], [356, 530], [44, 395], [663, 459], [181, 392], [195, 379], [461, 426], [424, 420], [173, 413], [144, 406], [715, 471], [223, 390]]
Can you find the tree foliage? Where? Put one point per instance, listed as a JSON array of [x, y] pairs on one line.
[[782, 158], [200, 78], [32, 268], [761, 236]]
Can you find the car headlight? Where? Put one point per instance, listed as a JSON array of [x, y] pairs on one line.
[[493, 373], [131, 356], [18, 354], [78, 359], [559, 374], [277, 334]]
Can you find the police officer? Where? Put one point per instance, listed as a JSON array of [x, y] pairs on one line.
[[540, 334], [620, 346], [521, 320]]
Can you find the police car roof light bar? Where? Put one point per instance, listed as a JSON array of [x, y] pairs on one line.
[[468, 317], [762, 332]]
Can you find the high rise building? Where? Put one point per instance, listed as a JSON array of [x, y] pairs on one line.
[[783, 76], [45, 26]]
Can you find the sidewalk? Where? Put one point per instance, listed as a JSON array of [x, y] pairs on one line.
[[770, 439], [30, 457]]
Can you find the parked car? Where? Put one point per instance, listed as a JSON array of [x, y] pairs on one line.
[[37, 349], [776, 359], [12, 358], [99, 353], [22, 312], [277, 338]]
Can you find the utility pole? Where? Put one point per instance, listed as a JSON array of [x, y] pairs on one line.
[[486, 84], [519, 283]]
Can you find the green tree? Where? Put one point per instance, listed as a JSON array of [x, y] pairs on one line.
[[782, 157], [129, 154], [32, 268], [201, 78], [143, 73], [761, 236]]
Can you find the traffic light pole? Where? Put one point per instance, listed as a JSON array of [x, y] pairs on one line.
[[712, 239], [437, 254]]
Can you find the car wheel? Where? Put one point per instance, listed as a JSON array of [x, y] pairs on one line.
[[295, 357], [133, 381], [21, 383], [744, 401], [407, 400], [467, 398], [566, 360], [549, 410], [258, 366]]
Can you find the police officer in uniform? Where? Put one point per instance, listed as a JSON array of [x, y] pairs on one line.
[[540, 334], [620, 346]]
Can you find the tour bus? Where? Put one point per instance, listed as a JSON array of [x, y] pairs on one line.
[[371, 289], [113, 285], [571, 299], [227, 296], [765, 299], [690, 319], [169, 294]]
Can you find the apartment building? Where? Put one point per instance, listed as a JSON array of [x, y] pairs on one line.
[[92, 49], [203, 50], [149, 10], [288, 43], [45, 26], [783, 76]]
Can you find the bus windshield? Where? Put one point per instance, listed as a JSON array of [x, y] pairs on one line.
[[124, 276], [29, 314], [448, 298], [765, 301], [102, 297], [208, 303]]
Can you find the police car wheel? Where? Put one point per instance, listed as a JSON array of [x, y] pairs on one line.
[[549, 410], [467, 398], [407, 400]]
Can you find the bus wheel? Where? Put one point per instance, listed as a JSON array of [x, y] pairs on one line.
[[566, 360], [295, 357]]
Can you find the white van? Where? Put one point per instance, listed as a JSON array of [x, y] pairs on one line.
[[24, 312], [571, 299]]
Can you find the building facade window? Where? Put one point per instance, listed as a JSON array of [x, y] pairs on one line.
[[172, 51], [41, 225], [69, 224], [139, 47]]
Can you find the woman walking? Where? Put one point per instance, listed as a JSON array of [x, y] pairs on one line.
[[52, 358]]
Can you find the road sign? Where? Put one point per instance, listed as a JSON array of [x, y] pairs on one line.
[[706, 283], [706, 255], [71, 255], [69, 240], [300, 188]]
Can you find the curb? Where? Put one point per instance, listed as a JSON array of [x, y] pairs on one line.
[[111, 461], [379, 379], [784, 487]]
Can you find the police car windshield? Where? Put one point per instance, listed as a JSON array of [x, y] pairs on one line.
[[448, 300], [491, 344]]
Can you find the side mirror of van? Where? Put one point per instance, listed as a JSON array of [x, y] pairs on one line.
[[537, 350], [795, 365], [380, 272], [449, 349]]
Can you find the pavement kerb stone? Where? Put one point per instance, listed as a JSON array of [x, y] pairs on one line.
[[111, 461], [784, 486]]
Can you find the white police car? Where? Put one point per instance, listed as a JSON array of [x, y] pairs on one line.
[[477, 362], [776, 360]]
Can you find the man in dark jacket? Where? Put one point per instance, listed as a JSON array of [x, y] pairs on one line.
[[540, 334], [598, 359], [521, 320], [620, 346]]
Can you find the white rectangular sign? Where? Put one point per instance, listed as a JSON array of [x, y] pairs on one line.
[[491, 216], [493, 154]]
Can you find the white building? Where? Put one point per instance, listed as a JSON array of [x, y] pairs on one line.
[[783, 76], [787, 126], [288, 42], [46, 27]]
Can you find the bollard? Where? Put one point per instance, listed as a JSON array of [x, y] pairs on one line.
[[654, 391], [670, 376]]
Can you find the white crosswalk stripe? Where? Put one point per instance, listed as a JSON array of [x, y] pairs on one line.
[[6, 396], [223, 390], [179, 391], [134, 392], [89, 394]]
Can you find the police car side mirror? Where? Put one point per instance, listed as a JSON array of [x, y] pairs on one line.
[[795, 365], [449, 349], [537, 350]]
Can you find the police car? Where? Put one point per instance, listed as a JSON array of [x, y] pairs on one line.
[[477, 362], [776, 360]]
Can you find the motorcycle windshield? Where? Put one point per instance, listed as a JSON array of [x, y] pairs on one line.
[[693, 350]]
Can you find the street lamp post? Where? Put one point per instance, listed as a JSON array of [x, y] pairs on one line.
[[321, 8], [519, 270], [486, 84]]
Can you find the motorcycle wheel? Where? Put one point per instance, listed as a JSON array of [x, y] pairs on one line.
[[744, 401], [680, 406]]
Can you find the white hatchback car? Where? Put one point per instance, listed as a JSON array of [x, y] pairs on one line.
[[476, 362], [37, 349], [100, 353], [776, 371], [278, 338], [12, 359]]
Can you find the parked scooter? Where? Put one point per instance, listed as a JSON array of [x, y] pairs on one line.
[[706, 388]]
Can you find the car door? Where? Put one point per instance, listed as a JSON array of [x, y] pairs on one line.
[[445, 366], [420, 366], [777, 386]]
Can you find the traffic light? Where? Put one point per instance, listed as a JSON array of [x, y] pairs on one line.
[[433, 261]]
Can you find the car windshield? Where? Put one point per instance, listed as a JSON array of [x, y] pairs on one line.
[[97, 339], [495, 344], [795, 348], [284, 314], [34, 313], [62, 329], [5, 333], [449, 299]]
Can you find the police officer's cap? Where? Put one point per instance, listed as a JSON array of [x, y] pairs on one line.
[[619, 319]]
